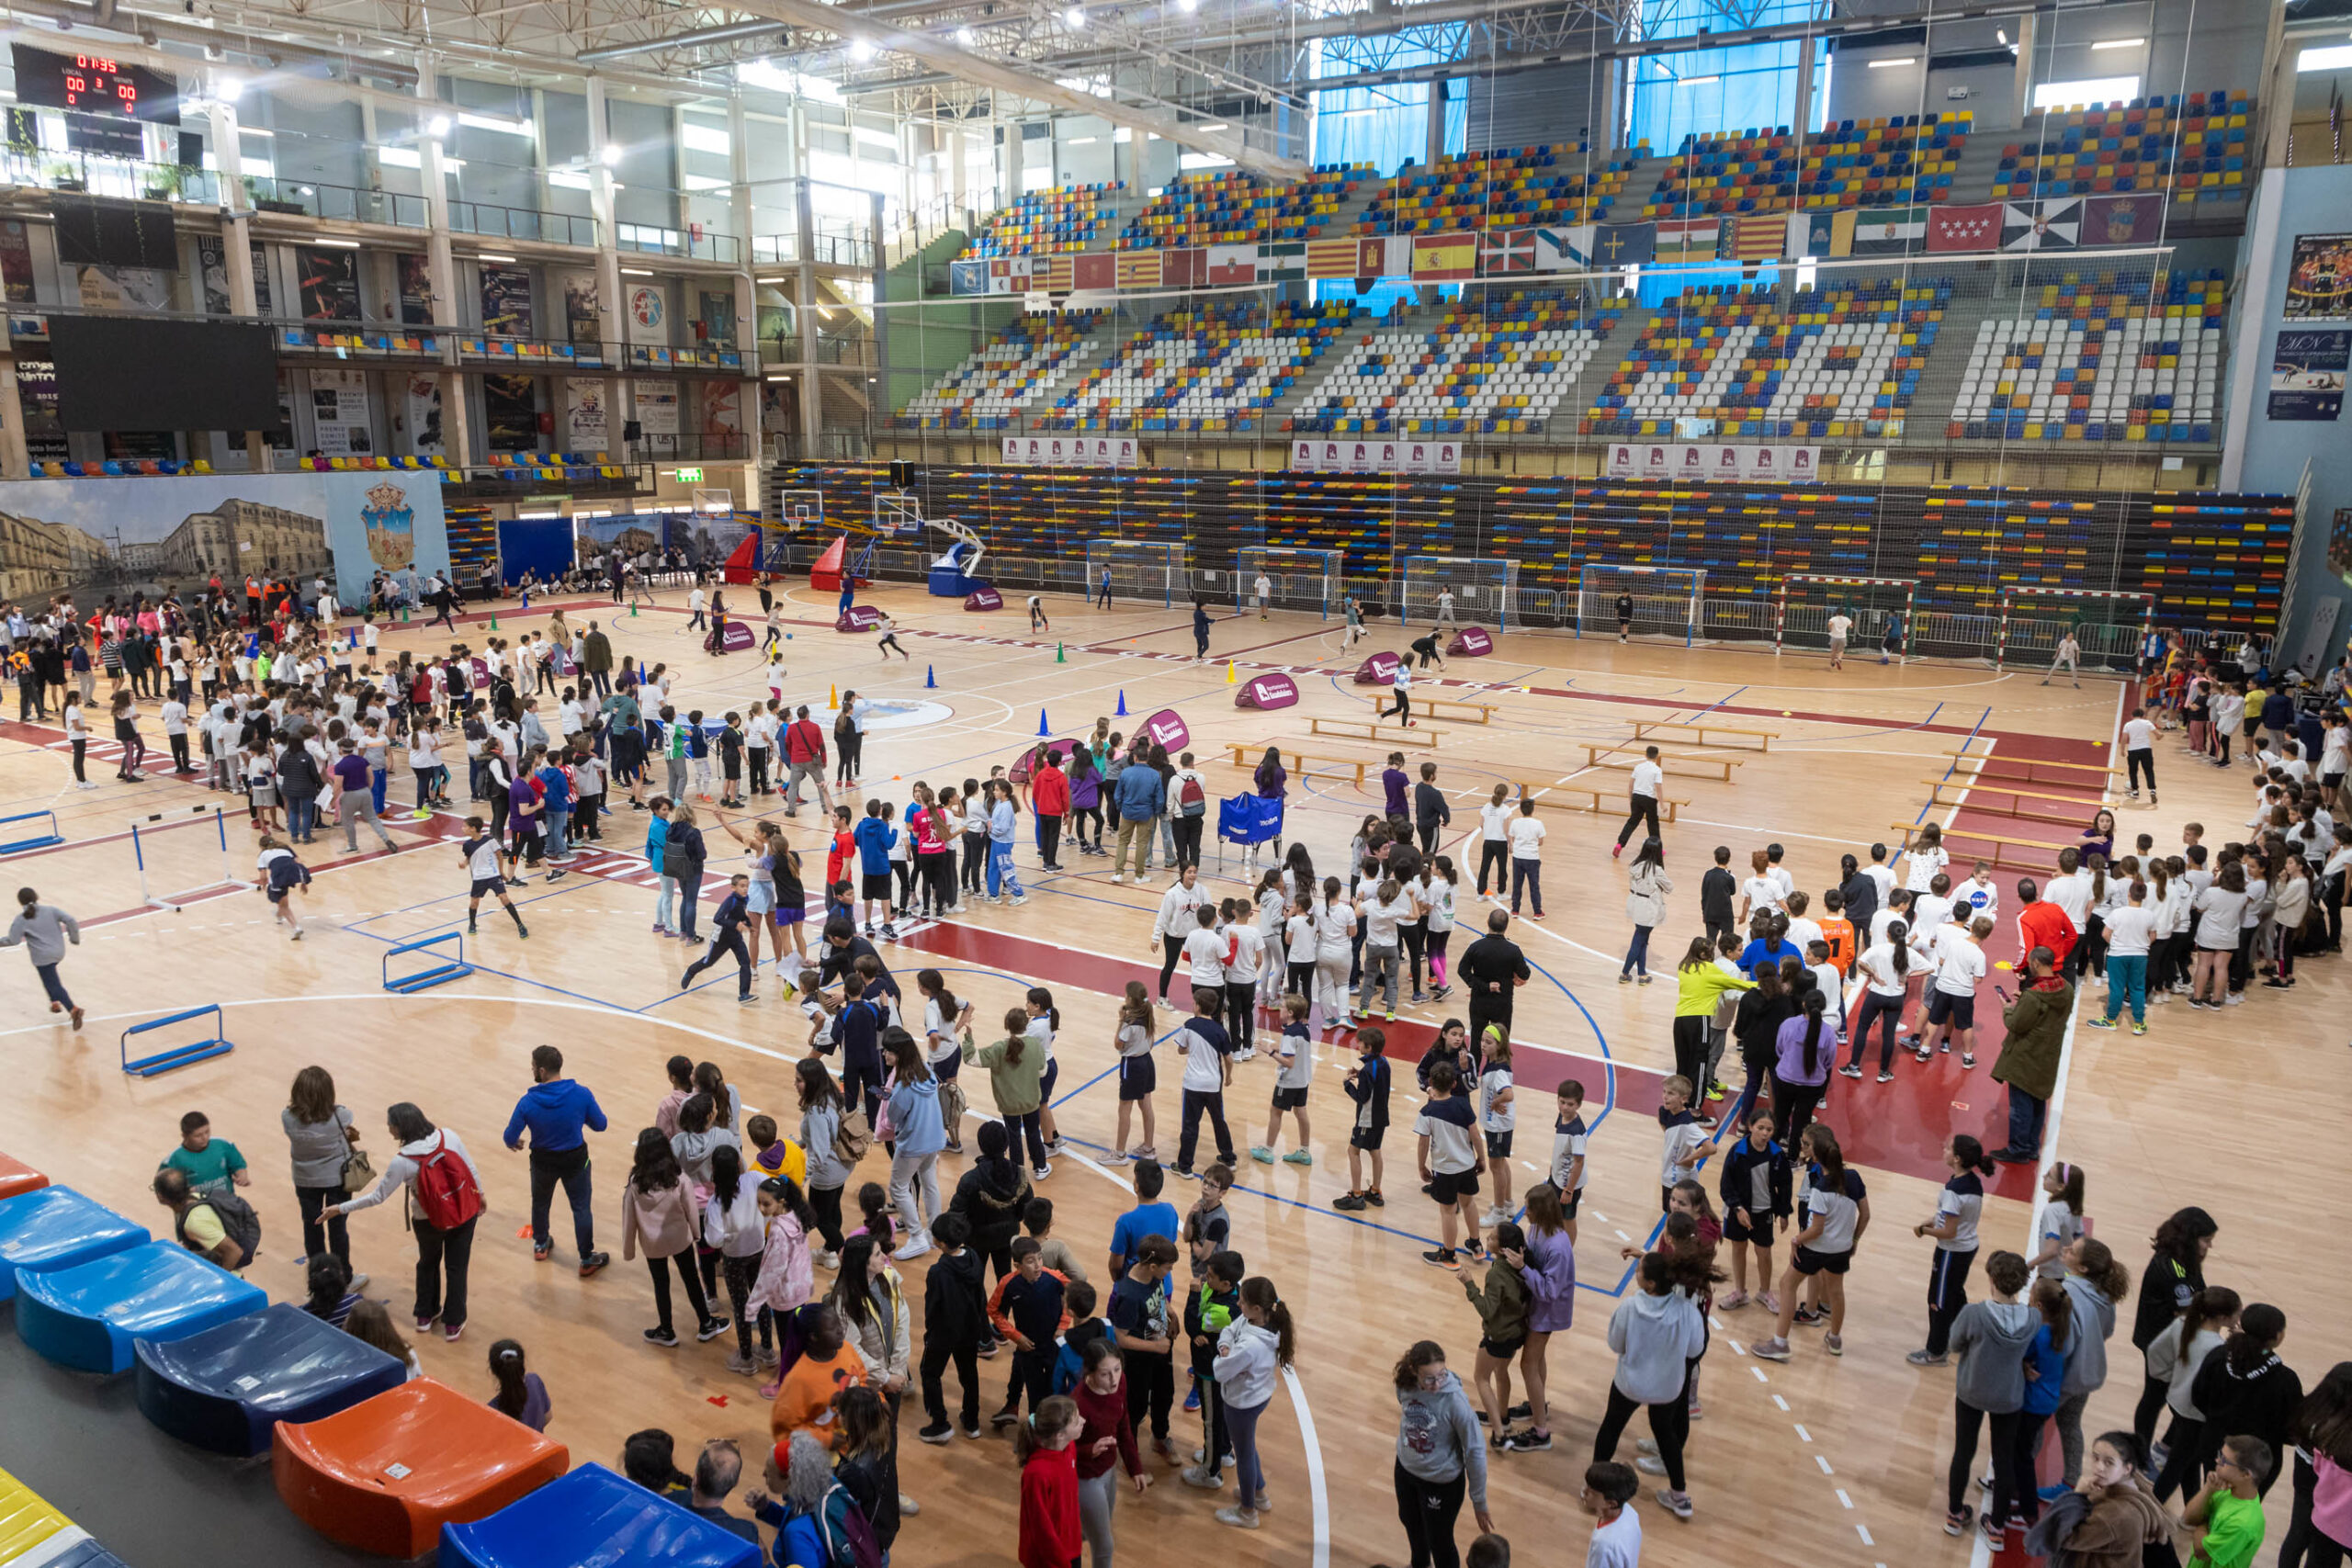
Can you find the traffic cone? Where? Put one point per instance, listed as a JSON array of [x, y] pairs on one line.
[[929, 678], [1042, 731], [1058, 656], [1123, 704], [832, 697], [404, 615], [493, 620], [1229, 676], [354, 638]]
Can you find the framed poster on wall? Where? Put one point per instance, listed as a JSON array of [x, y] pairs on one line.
[[2319, 283], [2307, 374]]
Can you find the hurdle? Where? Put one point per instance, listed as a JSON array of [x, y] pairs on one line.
[[173, 1056], [39, 840], [178, 818], [452, 968]]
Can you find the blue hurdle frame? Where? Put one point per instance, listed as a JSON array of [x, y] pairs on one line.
[[454, 968], [39, 840], [173, 1056]]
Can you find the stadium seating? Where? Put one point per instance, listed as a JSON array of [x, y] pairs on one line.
[[1509, 187], [56, 1227], [1496, 367], [1903, 162], [988, 390], [35, 1533], [91, 1315], [1201, 369], [2097, 359], [227, 1388], [592, 1518], [1234, 206], [1068, 218], [1739, 171], [385, 1476], [1836, 363], [16, 1177], [2195, 146]]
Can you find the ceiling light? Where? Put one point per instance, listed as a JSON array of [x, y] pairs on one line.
[[2334, 59], [635, 272], [339, 244], [2119, 43], [439, 126], [1075, 16], [1220, 125], [861, 49], [489, 257], [611, 155], [1898, 60], [229, 89], [493, 122], [1081, 142], [966, 37], [255, 130], [1698, 80], [2001, 34]]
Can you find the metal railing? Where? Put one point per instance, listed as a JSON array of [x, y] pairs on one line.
[[694, 242], [109, 176], [338, 204], [494, 221]]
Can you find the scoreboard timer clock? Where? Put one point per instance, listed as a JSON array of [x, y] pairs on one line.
[[94, 84]]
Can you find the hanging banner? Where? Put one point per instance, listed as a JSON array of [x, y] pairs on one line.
[[1332, 258], [968, 277], [2042, 225], [715, 309], [1439, 257], [1682, 462], [1098, 270], [2123, 219], [506, 302], [1507, 250], [1008, 275], [2307, 374], [1230, 264], [1623, 244], [1684, 240], [16, 261], [124, 289], [722, 415], [212, 273], [1398, 454], [585, 428], [1949, 228], [2319, 284], [510, 407], [1140, 269], [648, 314], [583, 320], [1564, 250], [339, 413], [657, 406], [412, 275], [1757, 237], [1078, 451], [421, 407], [327, 284], [1821, 234]]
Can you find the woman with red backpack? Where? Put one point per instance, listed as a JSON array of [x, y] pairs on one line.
[[445, 1201]]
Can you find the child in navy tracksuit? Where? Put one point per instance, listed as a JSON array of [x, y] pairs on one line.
[[1027, 1309], [1368, 1087], [727, 936], [857, 1030]]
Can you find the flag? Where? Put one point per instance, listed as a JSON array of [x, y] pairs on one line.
[[1686, 239], [1142, 269], [1623, 244], [1056, 274], [1230, 264], [1184, 269], [1440, 256], [2122, 220], [1332, 258], [1009, 275], [968, 277], [1889, 231], [2042, 225], [1285, 263], [1754, 238], [1821, 234], [1098, 270], [1507, 250], [1964, 228], [1564, 250], [1385, 255]]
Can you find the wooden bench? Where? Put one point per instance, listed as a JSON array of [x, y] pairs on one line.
[[1371, 729], [1978, 787], [1297, 763], [2046, 862], [1462, 712], [2081, 776], [1606, 801], [1645, 727], [1673, 763]]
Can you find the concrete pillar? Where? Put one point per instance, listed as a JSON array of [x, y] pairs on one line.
[[1803, 122], [441, 262], [2024, 93], [804, 309], [611, 324], [747, 298], [14, 462], [236, 246], [1436, 136]]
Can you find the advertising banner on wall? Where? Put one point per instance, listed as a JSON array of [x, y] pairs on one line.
[[1387, 454], [506, 302], [648, 307], [327, 283], [582, 320], [2319, 284], [421, 402], [1713, 462], [585, 425], [2307, 374], [657, 406], [339, 413], [15, 262]]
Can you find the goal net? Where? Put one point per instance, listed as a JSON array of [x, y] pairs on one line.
[[1643, 600], [1872, 608], [1484, 589], [1139, 569], [1295, 579], [2107, 626]]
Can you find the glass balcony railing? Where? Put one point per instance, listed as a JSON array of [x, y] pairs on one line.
[[693, 242], [496, 222], [336, 203]]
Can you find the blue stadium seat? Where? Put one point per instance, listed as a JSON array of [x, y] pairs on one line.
[[592, 1518], [226, 1388], [56, 1227], [89, 1315]]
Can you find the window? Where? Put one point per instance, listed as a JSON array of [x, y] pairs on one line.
[[1191, 161], [1036, 176], [2090, 90], [2334, 59], [700, 137]]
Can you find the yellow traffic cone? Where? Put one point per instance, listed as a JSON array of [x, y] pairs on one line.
[[832, 697], [1229, 676]]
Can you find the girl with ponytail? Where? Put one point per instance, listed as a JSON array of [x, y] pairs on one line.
[[1041, 1447], [1804, 1047], [1251, 1351], [2184, 1346], [1958, 1208]]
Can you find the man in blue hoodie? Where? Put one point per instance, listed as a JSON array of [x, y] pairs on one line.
[[873, 837], [1141, 796], [560, 1115]]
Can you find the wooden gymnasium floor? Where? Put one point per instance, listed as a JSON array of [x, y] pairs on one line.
[[1837, 1461]]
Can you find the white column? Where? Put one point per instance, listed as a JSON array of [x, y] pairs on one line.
[[236, 244], [747, 299], [611, 327], [441, 262]]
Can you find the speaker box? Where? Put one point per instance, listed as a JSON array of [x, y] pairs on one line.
[[902, 474], [632, 431]]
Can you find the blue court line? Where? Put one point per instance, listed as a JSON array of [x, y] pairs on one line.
[[504, 974], [1956, 762]]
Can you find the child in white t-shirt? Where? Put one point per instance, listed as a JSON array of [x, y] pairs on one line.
[[1295, 1060], [1526, 838]]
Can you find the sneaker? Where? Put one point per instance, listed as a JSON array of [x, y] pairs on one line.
[[915, 1248], [1008, 1416], [2098, 1023], [1650, 1465], [1262, 1153], [424, 1325], [1731, 1301], [1957, 1523], [1834, 1343], [1353, 1203], [1716, 1090], [971, 1431], [1239, 1518], [746, 999], [1808, 1316], [1675, 1503], [1527, 1440], [1967, 1060], [1298, 1156], [1443, 1257], [1045, 1169], [2139, 1029], [1850, 1071], [451, 1333], [768, 1358], [1207, 1480], [1192, 1399], [741, 1364], [1885, 1077], [1928, 1359], [2235, 999], [591, 1264], [826, 1260], [1773, 1349], [1769, 1301], [662, 1336], [1372, 1196], [942, 1433], [541, 1251], [713, 1329]]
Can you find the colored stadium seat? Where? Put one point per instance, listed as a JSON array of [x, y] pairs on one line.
[[1067, 217], [2192, 144], [28, 1524], [1507, 187], [1499, 364], [69, 1549], [227, 1388], [2106, 357], [56, 1227], [16, 1177], [90, 1316], [989, 390], [385, 1476], [592, 1518], [1206, 368]]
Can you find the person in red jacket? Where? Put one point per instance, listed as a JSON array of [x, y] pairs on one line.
[[2041, 923], [1049, 803], [1050, 1532], [804, 750]]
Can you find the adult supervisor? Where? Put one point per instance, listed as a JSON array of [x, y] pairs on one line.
[[1642, 805], [1491, 971], [560, 1113]]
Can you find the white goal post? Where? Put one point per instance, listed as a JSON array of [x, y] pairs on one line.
[[1483, 588], [1297, 578], [1664, 601], [1805, 600], [2107, 625], [1139, 569]]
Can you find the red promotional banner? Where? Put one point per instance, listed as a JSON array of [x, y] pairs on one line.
[[1377, 671], [1471, 642], [1166, 728], [857, 619], [1964, 228], [984, 599], [1275, 691]]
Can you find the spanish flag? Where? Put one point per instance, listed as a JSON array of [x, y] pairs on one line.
[[1445, 256]]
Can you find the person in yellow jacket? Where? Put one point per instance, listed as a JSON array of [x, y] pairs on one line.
[[1699, 981]]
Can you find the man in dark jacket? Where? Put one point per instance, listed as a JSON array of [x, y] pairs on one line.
[[300, 782], [560, 1113], [2029, 1060], [596, 659]]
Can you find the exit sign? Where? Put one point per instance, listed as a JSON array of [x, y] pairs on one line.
[[688, 475]]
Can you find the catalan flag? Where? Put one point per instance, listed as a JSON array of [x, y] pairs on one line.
[[1332, 258], [1054, 277], [1754, 237], [1139, 269]]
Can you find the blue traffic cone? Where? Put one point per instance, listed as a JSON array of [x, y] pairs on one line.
[[1042, 731], [1123, 704], [354, 638], [930, 680]]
